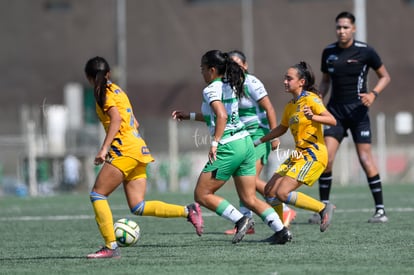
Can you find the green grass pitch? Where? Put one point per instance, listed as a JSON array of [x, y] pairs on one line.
[[52, 235]]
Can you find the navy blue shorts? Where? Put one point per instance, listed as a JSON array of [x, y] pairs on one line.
[[352, 116]]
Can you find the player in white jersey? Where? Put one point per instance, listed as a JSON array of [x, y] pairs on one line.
[[232, 151], [258, 115]]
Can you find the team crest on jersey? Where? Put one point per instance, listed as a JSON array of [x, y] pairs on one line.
[[330, 61], [317, 100]]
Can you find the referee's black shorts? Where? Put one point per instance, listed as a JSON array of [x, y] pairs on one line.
[[352, 116]]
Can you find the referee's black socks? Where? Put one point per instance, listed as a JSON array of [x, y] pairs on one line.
[[325, 183]]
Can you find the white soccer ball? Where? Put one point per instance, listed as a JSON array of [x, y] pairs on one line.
[[127, 232]]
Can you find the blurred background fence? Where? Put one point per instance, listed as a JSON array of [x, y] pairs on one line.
[[45, 163]]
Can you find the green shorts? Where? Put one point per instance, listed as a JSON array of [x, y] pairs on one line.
[[263, 150], [236, 158]]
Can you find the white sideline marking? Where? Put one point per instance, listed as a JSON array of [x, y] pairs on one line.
[[205, 214]]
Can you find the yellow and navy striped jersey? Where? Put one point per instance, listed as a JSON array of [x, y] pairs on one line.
[[127, 141], [308, 135]]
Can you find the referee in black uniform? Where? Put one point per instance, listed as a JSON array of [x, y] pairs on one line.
[[345, 65]]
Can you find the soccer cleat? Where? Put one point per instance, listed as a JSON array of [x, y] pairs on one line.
[[378, 217], [273, 239], [288, 216], [326, 216], [105, 253], [281, 237], [195, 217], [242, 226], [315, 219], [233, 231]]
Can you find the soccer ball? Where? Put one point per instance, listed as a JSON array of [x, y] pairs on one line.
[[127, 232]]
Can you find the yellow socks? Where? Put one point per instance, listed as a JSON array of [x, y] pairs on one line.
[[303, 201], [103, 217], [160, 209]]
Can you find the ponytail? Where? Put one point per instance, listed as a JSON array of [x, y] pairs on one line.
[[100, 88], [305, 72], [97, 68], [235, 76], [230, 71]]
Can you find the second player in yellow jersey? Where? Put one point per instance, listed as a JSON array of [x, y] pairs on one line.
[[304, 116]]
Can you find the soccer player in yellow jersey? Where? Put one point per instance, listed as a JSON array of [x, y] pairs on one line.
[[124, 156], [304, 116]]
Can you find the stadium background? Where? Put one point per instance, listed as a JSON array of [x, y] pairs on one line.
[[45, 44]]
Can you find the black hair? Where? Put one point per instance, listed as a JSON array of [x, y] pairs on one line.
[[97, 68], [346, 14], [239, 54], [231, 71], [305, 72]]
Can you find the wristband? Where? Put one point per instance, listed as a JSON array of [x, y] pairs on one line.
[[257, 142], [192, 116], [214, 143], [375, 93]]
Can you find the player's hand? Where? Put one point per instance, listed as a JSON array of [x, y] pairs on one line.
[[212, 154], [367, 99], [308, 112], [180, 115], [100, 157], [275, 144]]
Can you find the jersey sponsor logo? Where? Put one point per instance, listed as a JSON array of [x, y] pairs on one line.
[[352, 61]]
